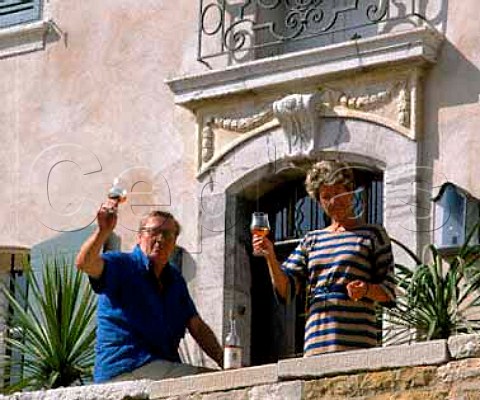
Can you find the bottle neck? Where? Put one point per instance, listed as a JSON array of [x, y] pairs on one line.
[[231, 318]]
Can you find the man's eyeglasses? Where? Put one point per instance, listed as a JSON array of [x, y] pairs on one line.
[[166, 234]]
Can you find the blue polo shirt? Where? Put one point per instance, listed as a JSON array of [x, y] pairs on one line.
[[136, 321]]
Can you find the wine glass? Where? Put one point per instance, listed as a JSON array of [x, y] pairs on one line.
[[117, 192], [259, 226]]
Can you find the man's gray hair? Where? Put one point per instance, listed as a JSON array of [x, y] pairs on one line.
[[161, 214]]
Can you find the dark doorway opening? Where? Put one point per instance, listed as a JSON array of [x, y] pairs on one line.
[[277, 328]]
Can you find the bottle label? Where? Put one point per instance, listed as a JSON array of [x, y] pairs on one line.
[[232, 357]]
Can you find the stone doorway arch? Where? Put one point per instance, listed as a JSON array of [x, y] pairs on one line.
[[264, 160]]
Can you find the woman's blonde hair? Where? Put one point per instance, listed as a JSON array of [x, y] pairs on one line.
[[328, 173]]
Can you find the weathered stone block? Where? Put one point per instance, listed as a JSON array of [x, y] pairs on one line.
[[459, 370], [414, 377], [279, 391], [332, 387], [464, 346], [131, 390], [429, 394], [466, 391], [215, 381], [230, 395], [372, 383]]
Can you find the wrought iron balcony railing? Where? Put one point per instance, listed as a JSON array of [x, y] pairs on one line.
[[243, 30]]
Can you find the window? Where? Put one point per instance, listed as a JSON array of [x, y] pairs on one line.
[[14, 12], [12, 261], [22, 27]]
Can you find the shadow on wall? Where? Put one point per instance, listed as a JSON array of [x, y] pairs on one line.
[[453, 82], [184, 261], [65, 244], [438, 16], [333, 133]]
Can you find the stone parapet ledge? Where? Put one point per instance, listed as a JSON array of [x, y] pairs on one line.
[[418, 371], [215, 381], [426, 353]]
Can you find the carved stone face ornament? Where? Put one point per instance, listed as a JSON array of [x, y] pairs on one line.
[[297, 113]]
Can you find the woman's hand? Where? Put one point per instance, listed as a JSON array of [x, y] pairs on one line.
[[262, 246], [357, 289]]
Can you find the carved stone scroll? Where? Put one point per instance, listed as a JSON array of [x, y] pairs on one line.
[[243, 125], [393, 102], [403, 107], [299, 119], [390, 101], [208, 147], [364, 102]]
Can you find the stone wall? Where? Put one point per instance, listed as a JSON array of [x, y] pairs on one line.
[[432, 370]]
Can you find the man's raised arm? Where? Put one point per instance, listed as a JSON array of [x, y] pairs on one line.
[[88, 259]]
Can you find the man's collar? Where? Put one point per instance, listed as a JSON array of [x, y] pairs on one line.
[[137, 251], [165, 276]]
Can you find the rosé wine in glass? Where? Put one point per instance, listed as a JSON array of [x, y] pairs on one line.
[[259, 226], [117, 191]]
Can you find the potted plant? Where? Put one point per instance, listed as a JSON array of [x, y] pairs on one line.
[[54, 333], [437, 295]]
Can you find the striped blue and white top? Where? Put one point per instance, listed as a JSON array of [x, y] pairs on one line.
[[329, 261]]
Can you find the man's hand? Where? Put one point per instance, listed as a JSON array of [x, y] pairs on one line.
[[107, 216]]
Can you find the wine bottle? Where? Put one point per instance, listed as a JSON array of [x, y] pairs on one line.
[[232, 352]]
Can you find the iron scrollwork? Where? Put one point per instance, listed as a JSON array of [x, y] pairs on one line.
[[252, 24]]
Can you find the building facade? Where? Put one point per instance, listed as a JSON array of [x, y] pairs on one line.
[[214, 109]]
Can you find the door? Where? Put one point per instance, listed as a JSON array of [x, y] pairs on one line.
[[277, 328]]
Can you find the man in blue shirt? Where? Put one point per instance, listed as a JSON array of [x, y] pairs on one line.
[[144, 306]]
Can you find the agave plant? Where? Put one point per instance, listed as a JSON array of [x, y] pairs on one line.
[[436, 299], [55, 331]]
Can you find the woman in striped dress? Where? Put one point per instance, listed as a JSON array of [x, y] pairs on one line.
[[348, 266]]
